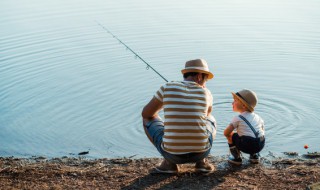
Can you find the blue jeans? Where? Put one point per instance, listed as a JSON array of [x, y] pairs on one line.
[[154, 130]]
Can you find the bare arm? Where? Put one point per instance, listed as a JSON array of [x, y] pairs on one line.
[[228, 132], [209, 110], [152, 109]]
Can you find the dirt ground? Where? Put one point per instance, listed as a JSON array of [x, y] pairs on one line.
[[126, 173]]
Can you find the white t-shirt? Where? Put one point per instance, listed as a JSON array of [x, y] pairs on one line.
[[242, 127]]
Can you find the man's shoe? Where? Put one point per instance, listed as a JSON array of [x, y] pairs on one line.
[[254, 158], [167, 167], [236, 161], [204, 166]]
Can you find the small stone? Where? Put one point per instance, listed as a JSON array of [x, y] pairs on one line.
[[221, 179], [84, 153], [315, 186], [312, 155], [291, 153]]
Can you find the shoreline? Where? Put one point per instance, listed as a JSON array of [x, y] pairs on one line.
[[289, 172]]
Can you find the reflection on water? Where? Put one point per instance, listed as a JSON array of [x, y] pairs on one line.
[[67, 86]]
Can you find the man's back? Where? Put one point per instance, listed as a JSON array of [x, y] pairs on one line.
[[185, 111]]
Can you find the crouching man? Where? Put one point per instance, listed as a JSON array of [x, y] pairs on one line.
[[188, 129]]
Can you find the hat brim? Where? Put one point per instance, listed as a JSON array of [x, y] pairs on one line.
[[243, 101], [183, 71]]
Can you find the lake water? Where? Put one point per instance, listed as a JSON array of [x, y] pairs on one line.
[[67, 86]]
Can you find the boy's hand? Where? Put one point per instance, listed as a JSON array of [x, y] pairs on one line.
[[228, 132]]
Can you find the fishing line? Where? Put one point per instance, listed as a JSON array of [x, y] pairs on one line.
[[136, 55]]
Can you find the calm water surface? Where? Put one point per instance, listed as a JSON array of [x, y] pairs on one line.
[[67, 86]]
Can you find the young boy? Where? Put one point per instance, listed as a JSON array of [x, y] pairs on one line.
[[248, 126]]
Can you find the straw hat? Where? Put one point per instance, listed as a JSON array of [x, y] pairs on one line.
[[198, 66], [247, 97]]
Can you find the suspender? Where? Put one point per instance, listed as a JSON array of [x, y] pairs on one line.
[[249, 124]]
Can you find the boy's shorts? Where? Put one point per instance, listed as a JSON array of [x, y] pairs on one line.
[[246, 144], [155, 130]]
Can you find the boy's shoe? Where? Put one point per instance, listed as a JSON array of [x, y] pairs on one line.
[[235, 157], [236, 161], [167, 167], [254, 158], [204, 166], [234, 151]]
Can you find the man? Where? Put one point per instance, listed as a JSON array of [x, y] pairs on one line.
[[188, 129]]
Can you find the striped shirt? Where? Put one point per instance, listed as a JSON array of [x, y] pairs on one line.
[[186, 107]]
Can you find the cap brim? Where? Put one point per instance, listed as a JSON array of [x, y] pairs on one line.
[[198, 71]]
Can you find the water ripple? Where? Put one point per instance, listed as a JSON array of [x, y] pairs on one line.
[[67, 86]]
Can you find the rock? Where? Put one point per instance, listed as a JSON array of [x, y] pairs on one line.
[[84, 153], [291, 153], [312, 155], [315, 186]]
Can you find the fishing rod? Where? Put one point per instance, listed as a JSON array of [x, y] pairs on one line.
[[148, 65]]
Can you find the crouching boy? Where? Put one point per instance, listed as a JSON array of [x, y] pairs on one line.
[[246, 131]]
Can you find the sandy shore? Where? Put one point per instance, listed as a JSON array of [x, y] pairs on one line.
[[125, 173]]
